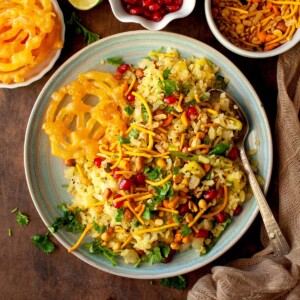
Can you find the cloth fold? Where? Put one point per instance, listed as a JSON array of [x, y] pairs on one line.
[[264, 276]]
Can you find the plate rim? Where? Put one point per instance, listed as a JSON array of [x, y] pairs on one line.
[[39, 100]]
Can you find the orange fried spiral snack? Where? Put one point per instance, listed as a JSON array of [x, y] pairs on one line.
[[84, 112], [29, 30]]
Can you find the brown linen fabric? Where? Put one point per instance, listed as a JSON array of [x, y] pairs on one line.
[[264, 276]]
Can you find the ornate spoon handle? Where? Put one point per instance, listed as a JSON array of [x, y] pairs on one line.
[[278, 241]]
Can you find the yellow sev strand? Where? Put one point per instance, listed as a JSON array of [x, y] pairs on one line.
[[280, 38], [199, 214], [86, 230], [108, 153], [173, 211], [142, 198], [146, 106], [131, 153], [156, 228], [100, 203], [140, 149], [161, 182], [222, 207], [140, 128], [285, 2], [126, 242], [182, 138], [150, 144], [291, 33], [131, 196], [119, 158], [242, 11], [180, 108], [293, 11], [142, 210], [131, 85], [134, 212]]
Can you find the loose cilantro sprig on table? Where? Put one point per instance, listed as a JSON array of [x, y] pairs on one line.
[[178, 282], [89, 36], [69, 220], [43, 242], [22, 219]]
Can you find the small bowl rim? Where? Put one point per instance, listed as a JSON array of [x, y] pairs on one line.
[[51, 63], [251, 54], [186, 9]]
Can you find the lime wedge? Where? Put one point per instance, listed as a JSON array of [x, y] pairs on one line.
[[85, 4]]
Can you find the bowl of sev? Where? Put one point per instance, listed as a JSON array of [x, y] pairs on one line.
[[256, 28], [31, 39]]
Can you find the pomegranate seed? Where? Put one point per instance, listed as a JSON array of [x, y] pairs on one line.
[[116, 176], [238, 210], [160, 2], [202, 233], [140, 179], [157, 16], [123, 68], [221, 217], [172, 8], [168, 2], [136, 10], [220, 193], [118, 76], [130, 97], [125, 184], [120, 203], [192, 112], [154, 7], [98, 161], [234, 153], [130, 1], [147, 14], [210, 194], [170, 100], [183, 208], [147, 3], [178, 2]]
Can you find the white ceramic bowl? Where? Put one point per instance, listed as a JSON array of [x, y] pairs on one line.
[[41, 69], [252, 54], [123, 16]]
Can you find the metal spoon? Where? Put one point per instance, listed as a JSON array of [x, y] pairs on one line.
[[278, 241]]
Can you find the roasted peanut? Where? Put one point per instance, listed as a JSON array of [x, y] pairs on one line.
[[139, 163], [139, 73], [175, 246], [106, 194], [128, 214], [70, 162]]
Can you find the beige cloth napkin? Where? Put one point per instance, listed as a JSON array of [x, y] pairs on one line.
[[264, 276]]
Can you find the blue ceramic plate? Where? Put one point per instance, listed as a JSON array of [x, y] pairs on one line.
[[44, 172]]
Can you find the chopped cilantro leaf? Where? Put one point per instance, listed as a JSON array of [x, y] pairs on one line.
[[220, 83], [123, 140], [137, 263], [165, 249], [69, 220], [98, 228], [161, 194], [178, 282], [120, 214], [129, 110], [115, 61], [166, 73], [154, 256], [96, 248], [133, 133], [204, 97], [144, 113], [176, 171], [22, 219], [168, 86], [89, 37], [147, 214], [43, 242], [153, 173], [185, 230]]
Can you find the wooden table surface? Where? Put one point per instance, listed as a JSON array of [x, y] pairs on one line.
[[28, 273]]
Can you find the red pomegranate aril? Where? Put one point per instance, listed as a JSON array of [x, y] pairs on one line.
[[116, 176], [154, 7], [98, 161], [170, 100], [157, 16], [130, 97], [125, 184], [202, 233], [178, 2], [192, 112], [131, 1], [221, 217], [120, 203], [147, 14], [136, 10], [140, 179], [238, 210], [168, 2], [123, 68], [183, 209], [172, 8], [210, 194], [234, 153], [146, 3], [160, 2]]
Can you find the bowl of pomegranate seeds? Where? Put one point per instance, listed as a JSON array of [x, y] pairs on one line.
[[151, 14]]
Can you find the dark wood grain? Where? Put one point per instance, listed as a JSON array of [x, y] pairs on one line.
[[28, 273]]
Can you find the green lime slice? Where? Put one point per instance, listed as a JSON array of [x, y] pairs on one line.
[[84, 4]]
